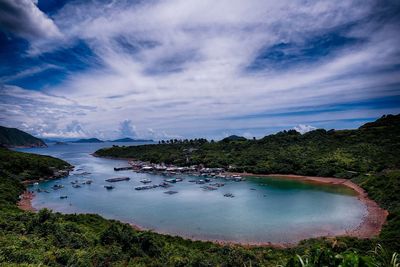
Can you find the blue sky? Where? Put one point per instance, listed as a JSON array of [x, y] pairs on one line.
[[182, 68]]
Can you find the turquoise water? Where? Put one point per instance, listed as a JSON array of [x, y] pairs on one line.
[[263, 209]]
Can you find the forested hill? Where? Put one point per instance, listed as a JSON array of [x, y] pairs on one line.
[[12, 137], [373, 147], [53, 239]]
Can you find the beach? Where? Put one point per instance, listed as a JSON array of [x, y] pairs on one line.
[[25, 202]]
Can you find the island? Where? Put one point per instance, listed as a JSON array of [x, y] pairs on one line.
[[121, 140], [130, 140], [88, 140]]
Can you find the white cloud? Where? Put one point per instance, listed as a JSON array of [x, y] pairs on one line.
[[301, 128], [127, 129], [24, 18], [179, 67]]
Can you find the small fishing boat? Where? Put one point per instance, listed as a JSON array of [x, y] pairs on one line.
[[122, 168], [57, 186], [117, 179], [63, 197], [165, 185], [109, 187], [208, 188], [146, 187], [145, 181], [170, 192]]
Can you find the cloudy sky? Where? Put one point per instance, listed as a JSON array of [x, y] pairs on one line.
[[209, 68]]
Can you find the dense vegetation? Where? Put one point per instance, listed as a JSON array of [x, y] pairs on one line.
[[26, 166], [53, 239], [346, 153], [11, 137]]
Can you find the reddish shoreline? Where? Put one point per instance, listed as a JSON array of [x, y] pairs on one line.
[[373, 221], [25, 202], [370, 226]]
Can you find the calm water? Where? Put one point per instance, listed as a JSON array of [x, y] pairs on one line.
[[263, 209]]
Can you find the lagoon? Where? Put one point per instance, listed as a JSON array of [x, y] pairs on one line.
[[262, 209]]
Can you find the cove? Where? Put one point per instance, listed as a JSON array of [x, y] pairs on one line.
[[263, 210]]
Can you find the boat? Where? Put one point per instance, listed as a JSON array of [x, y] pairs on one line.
[[109, 187], [57, 186], [63, 197], [172, 180], [76, 186], [170, 192], [117, 179], [208, 188], [146, 187], [178, 179], [229, 195], [145, 181], [165, 185], [122, 168], [217, 184], [82, 173]]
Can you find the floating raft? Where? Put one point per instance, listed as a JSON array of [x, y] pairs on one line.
[[146, 187], [118, 179], [122, 168]]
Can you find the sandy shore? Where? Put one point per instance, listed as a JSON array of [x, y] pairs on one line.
[[25, 202]]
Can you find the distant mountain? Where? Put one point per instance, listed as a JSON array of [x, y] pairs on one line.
[[89, 140], [12, 137], [127, 139]]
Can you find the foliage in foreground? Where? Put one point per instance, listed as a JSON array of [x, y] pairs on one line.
[[54, 239]]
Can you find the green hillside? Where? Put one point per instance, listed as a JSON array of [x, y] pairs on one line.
[[54, 239], [12, 137], [345, 153]]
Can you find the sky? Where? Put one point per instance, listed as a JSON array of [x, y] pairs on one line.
[[190, 68]]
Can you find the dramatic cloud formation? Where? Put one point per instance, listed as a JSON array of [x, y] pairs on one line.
[[23, 18], [127, 129], [203, 68]]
